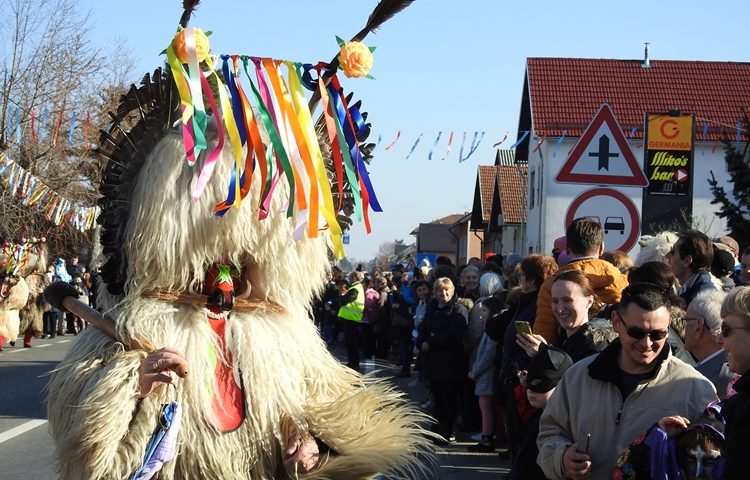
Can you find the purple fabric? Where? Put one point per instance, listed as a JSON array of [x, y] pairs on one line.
[[663, 455], [162, 447]]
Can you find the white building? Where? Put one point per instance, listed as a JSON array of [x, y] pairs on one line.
[[561, 96]]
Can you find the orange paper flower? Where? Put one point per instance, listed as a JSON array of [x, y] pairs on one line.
[[201, 45], [355, 59]]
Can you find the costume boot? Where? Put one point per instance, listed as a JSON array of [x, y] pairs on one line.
[[485, 445], [27, 338]]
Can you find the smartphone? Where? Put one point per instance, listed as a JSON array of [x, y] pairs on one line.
[[523, 327], [588, 440]]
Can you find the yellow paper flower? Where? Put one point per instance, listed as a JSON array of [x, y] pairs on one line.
[[201, 45], [355, 59]]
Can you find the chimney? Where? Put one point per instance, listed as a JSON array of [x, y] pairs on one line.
[[646, 61]]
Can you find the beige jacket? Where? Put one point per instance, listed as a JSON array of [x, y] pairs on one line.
[[582, 404]]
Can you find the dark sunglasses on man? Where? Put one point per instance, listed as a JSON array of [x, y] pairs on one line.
[[726, 330], [637, 333]]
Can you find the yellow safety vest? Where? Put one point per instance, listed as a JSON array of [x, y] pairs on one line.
[[353, 311]]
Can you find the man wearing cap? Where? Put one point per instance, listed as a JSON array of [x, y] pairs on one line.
[[608, 400]]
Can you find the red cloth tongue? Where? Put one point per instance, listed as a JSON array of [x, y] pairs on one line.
[[227, 401]]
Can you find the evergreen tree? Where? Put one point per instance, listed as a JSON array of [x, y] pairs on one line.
[[736, 209]]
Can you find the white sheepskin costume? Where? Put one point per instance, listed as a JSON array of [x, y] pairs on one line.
[[101, 427], [18, 295]]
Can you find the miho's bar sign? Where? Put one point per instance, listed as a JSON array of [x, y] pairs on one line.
[[669, 154]]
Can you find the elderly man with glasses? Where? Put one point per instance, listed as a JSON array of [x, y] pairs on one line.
[[702, 333], [604, 402]]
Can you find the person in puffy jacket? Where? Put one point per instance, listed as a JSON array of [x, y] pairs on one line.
[[584, 243]]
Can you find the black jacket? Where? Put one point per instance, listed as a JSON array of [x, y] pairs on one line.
[[443, 329], [736, 411]]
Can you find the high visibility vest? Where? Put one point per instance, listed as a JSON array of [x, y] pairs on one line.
[[353, 311]]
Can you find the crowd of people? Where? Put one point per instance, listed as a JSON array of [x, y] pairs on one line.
[[580, 364]]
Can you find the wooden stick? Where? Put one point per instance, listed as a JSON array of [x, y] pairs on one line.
[[106, 324]]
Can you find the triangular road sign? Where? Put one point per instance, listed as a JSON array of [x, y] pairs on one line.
[[602, 156]]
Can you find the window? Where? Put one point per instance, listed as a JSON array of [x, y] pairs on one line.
[[532, 189]]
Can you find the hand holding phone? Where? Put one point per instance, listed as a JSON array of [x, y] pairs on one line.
[[522, 327]]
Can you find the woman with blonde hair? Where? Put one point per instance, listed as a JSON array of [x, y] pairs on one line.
[[441, 340]]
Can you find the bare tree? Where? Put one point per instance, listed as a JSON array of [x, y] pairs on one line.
[[50, 70]]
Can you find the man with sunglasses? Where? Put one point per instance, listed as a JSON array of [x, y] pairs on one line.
[[614, 397]]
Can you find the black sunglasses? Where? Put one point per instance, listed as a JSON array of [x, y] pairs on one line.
[[726, 330], [637, 333]]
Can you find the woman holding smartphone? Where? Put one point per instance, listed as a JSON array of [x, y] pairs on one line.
[[573, 303], [533, 271]]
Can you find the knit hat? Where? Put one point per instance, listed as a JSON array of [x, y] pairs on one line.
[[727, 244], [546, 369]]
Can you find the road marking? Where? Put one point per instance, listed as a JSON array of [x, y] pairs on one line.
[[16, 350], [62, 341], [42, 346], [21, 429]]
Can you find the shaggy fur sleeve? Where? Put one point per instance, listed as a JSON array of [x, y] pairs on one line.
[[92, 405]]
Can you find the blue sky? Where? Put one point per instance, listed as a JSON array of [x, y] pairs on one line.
[[440, 65]]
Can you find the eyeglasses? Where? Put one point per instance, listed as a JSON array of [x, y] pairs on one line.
[[637, 333], [726, 330], [690, 319]]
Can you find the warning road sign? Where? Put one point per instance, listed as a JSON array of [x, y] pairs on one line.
[[602, 156]]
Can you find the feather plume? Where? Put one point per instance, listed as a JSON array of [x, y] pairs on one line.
[[384, 11], [188, 7]]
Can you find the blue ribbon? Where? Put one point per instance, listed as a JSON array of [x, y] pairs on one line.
[[73, 123], [434, 144], [234, 95], [562, 137], [351, 140], [413, 147], [632, 131], [523, 137], [705, 130], [473, 146]]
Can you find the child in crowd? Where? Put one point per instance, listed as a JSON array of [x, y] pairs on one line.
[[482, 373], [544, 372]]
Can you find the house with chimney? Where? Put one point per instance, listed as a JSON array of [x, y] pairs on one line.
[[643, 166]]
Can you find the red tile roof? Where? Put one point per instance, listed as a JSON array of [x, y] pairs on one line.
[[512, 192], [486, 181], [566, 93]]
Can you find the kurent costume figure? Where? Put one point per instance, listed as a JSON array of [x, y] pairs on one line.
[[226, 299], [17, 262]]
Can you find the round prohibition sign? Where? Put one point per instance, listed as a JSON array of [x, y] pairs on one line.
[[627, 203]]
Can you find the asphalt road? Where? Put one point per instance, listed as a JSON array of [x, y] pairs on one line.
[[26, 448]]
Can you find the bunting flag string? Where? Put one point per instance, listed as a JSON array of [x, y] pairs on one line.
[[505, 137], [32, 192], [561, 139], [520, 140], [448, 150], [461, 150], [739, 136], [414, 147], [434, 144], [390, 145], [473, 147], [539, 144]]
